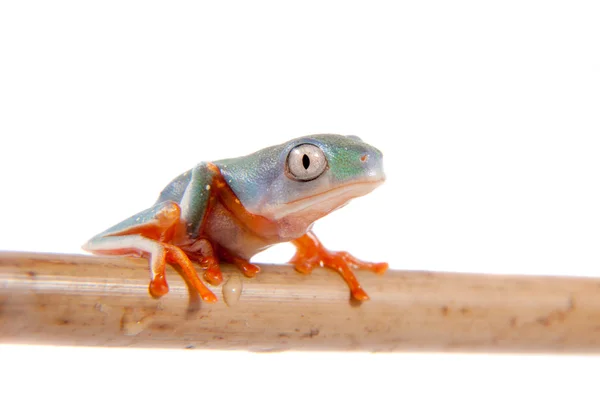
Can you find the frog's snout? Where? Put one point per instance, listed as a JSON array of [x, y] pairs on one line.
[[372, 161]]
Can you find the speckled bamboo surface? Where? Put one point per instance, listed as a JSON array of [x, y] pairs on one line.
[[60, 299]]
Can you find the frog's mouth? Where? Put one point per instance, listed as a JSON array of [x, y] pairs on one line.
[[320, 204]]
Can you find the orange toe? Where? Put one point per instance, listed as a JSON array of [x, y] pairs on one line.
[[359, 294], [158, 286], [213, 276]]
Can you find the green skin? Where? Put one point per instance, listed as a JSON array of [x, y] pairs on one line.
[[263, 184]]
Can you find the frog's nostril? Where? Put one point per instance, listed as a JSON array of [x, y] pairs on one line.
[[364, 157]]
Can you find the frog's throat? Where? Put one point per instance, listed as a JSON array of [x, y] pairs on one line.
[[324, 202]]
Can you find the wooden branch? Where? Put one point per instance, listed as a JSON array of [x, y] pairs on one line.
[[101, 301]]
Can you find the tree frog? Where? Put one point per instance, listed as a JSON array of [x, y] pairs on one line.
[[229, 210]]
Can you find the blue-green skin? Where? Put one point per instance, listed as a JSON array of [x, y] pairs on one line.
[[264, 187]]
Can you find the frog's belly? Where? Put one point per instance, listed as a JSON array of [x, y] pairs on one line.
[[225, 230]]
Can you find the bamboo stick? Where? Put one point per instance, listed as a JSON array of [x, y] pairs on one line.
[[104, 301]]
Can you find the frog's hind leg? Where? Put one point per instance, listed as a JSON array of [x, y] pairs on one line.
[[209, 255], [147, 234], [135, 245], [203, 253], [247, 268]]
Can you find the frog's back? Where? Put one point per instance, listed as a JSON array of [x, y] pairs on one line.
[[175, 189]]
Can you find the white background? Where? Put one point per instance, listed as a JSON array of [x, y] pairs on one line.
[[487, 113]]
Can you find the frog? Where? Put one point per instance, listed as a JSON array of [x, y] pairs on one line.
[[231, 209]]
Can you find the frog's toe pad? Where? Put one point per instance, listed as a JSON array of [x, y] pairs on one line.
[[213, 272], [359, 294], [158, 286], [248, 269], [380, 268]]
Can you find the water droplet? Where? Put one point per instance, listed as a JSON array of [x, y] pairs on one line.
[[131, 326], [232, 290]]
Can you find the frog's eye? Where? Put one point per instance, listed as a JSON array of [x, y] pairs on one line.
[[306, 162]]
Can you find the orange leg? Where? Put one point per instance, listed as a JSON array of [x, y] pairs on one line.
[[176, 255], [148, 234], [213, 272], [310, 253], [158, 283], [247, 268], [204, 255]]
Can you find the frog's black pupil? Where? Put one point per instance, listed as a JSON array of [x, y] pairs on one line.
[[305, 161]]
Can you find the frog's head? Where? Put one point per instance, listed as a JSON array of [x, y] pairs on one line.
[[307, 178]]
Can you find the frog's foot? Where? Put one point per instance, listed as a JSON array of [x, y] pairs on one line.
[[146, 235], [177, 256], [247, 268], [310, 253], [202, 252], [212, 271], [350, 260], [158, 254]]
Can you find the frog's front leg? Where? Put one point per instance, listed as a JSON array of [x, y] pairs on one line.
[[310, 253], [148, 234], [206, 186]]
